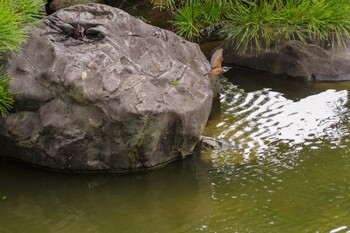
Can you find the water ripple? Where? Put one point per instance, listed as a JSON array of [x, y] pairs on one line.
[[262, 122]]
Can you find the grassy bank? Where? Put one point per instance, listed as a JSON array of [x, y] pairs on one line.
[[259, 24]]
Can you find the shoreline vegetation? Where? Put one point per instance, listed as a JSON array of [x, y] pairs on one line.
[[259, 25], [245, 25]]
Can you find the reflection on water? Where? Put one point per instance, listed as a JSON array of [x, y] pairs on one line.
[[42, 201], [288, 172], [258, 122]]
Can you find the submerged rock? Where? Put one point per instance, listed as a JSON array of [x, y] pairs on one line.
[[215, 144], [296, 59], [99, 90]]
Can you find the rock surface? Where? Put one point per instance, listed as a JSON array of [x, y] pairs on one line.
[[296, 59], [56, 5], [215, 144], [99, 90]]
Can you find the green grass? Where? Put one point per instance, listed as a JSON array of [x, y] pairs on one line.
[[12, 34], [187, 20], [260, 24], [193, 15], [15, 16], [164, 4], [6, 99]]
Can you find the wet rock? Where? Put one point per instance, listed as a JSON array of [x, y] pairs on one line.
[[94, 91], [215, 144], [296, 59]]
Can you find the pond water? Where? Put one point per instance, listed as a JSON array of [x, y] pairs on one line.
[[287, 170]]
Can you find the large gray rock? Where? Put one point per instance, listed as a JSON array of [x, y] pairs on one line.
[[296, 59], [122, 95]]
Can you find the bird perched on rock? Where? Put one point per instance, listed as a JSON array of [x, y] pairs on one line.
[[215, 62]]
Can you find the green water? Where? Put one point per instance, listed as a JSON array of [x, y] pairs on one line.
[[287, 170]]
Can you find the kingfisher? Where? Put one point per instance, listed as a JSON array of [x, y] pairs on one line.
[[215, 62]]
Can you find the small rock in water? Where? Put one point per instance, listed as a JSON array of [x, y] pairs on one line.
[[3, 197]]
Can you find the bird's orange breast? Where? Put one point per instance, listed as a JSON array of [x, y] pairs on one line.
[[216, 71]]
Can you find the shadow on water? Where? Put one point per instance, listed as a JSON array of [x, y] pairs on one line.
[[41, 201]]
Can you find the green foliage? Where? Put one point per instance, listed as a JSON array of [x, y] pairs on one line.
[[212, 11], [11, 32], [30, 10], [164, 4], [15, 15], [260, 24], [187, 20], [6, 99], [194, 15]]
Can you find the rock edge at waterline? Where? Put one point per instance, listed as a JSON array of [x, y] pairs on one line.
[[296, 59]]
